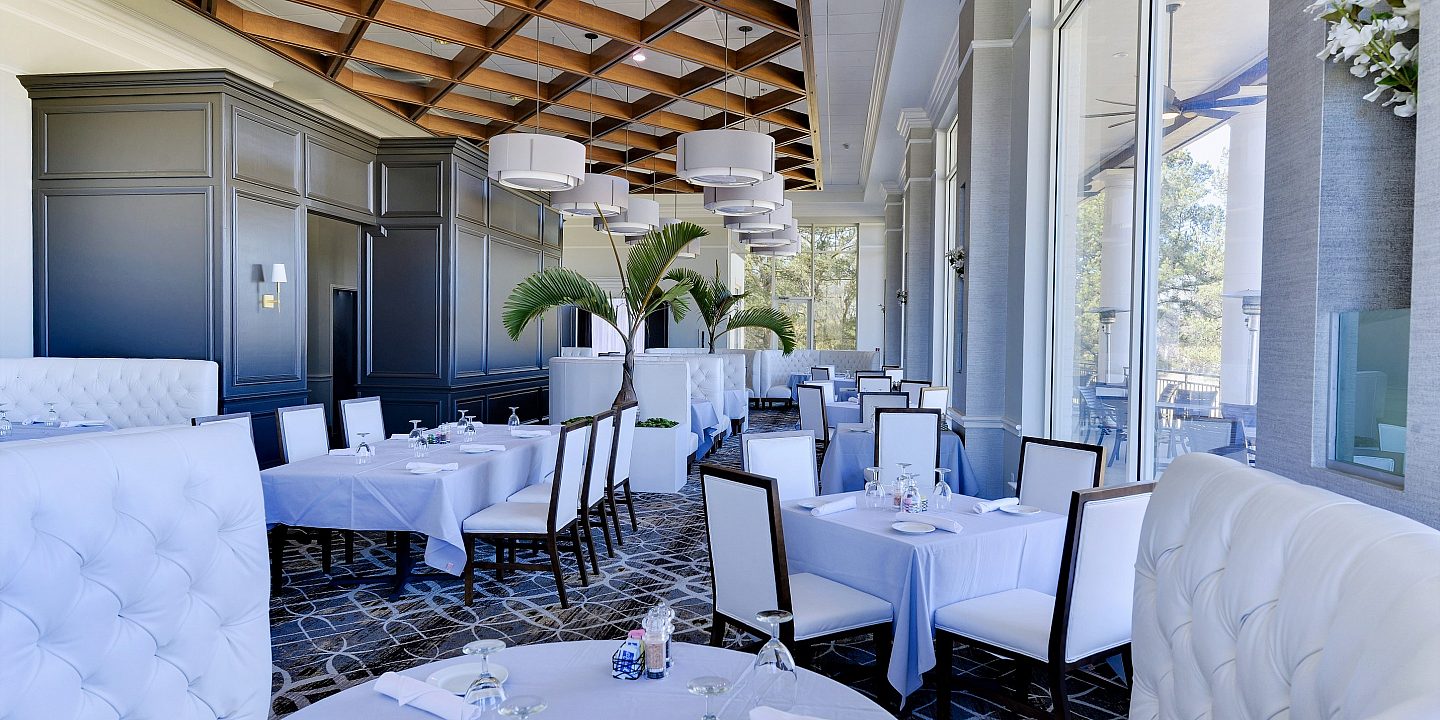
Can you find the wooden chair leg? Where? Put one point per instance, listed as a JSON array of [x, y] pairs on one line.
[[630, 504], [277, 556], [579, 556], [1059, 698], [717, 630], [325, 557], [615, 515], [944, 669], [605, 528], [469, 569], [349, 546], [501, 563], [555, 568], [590, 541]]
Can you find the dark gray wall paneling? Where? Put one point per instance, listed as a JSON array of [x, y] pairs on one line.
[[336, 176], [124, 141], [266, 152], [405, 302], [509, 264], [266, 344], [332, 261], [470, 191], [471, 303], [513, 213], [550, 330], [411, 189]]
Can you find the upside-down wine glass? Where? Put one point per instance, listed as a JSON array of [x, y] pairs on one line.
[[775, 666], [941, 496], [363, 451], [514, 421], [52, 418], [4, 421], [485, 691], [523, 706], [709, 687]]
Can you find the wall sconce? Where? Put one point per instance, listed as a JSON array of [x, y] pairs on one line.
[[276, 274]]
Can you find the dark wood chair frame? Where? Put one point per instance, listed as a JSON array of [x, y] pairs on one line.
[[822, 442], [206, 420], [628, 499], [280, 533], [879, 412], [1027, 441]]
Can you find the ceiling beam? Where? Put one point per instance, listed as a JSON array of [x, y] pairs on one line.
[[358, 26]]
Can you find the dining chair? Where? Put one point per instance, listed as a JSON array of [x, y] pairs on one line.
[[239, 418], [304, 434], [1052, 469], [935, 397], [542, 526], [749, 574], [812, 412], [872, 401], [598, 460], [878, 382], [820, 373], [913, 388], [908, 435], [359, 415], [625, 417], [787, 456], [1085, 621], [1392, 438], [895, 373]]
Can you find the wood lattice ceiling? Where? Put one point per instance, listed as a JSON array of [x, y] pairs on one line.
[[489, 68]]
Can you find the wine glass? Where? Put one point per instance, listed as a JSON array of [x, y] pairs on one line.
[[416, 439], [898, 488], [775, 675], [874, 488], [363, 451], [467, 427], [514, 421], [941, 496], [709, 687], [5, 424], [52, 418], [485, 691], [523, 706]]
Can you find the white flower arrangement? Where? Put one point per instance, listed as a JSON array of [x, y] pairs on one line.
[[1379, 38], [956, 258]]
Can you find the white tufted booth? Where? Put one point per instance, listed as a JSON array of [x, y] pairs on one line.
[[1258, 597], [133, 577], [770, 377], [127, 392], [707, 381]]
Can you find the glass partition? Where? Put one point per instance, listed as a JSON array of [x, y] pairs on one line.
[[1372, 361]]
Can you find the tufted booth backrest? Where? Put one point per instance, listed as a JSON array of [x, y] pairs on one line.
[[127, 392], [707, 375], [587, 386], [134, 580], [1258, 597], [773, 369]]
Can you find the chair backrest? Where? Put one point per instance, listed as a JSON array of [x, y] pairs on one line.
[[600, 457], [577, 352], [359, 415], [828, 386], [1256, 596], [241, 419], [303, 432], [1203, 434], [570, 473], [747, 544], [894, 373], [908, 435], [821, 372], [625, 418], [1392, 438], [912, 388], [812, 409], [1096, 592], [1379, 463], [1050, 470], [879, 382], [872, 401], [936, 397], [135, 580], [787, 456]]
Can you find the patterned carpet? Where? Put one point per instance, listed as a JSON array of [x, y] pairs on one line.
[[328, 638]]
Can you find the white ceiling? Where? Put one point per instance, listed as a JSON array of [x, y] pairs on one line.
[[846, 46]]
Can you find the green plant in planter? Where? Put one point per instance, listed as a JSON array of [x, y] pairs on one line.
[[657, 422], [721, 311], [580, 418]]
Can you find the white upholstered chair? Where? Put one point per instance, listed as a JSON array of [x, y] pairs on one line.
[[359, 415], [577, 352], [1392, 438], [935, 397], [821, 373], [303, 432], [908, 435], [1259, 597], [1052, 469], [749, 573], [537, 525], [812, 412], [872, 401], [598, 461], [787, 456], [896, 374], [239, 419], [878, 382], [1088, 617], [134, 577], [912, 389]]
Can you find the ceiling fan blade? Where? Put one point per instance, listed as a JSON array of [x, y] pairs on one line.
[[1221, 115], [1114, 114], [1122, 122], [1115, 102], [1249, 76]]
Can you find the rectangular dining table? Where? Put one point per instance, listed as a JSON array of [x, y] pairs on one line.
[[919, 574], [333, 491]]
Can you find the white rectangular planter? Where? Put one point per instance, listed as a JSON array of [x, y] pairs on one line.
[[658, 462]]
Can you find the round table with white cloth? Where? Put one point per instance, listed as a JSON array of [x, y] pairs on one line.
[[574, 679]]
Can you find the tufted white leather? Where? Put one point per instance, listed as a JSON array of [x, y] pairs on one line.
[[1258, 597], [587, 386], [127, 392], [134, 580], [772, 370]]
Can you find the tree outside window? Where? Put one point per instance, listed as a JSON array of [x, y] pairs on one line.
[[825, 271]]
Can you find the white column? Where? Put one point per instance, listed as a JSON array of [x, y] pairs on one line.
[[1244, 226], [1116, 240]]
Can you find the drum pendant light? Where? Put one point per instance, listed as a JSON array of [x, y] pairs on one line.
[[610, 193], [771, 239], [640, 218], [535, 161], [725, 158], [762, 197], [773, 221]]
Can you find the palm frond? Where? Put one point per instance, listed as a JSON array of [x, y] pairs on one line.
[[650, 260], [767, 319], [700, 290], [551, 288], [675, 296]]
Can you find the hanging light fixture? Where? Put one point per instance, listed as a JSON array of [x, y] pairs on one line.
[[724, 157], [599, 195], [770, 239], [640, 218], [762, 197], [535, 161], [775, 220], [789, 247]]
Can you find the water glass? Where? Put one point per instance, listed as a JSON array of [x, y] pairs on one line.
[[52, 418], [874, 488], [514, 421], [486, 691], [363, 453], [4, 422], [775, 666], [941, 496]]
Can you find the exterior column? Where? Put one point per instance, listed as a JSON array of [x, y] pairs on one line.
[[894, 274], [1116, 240], [1244, 230], [918, 177]]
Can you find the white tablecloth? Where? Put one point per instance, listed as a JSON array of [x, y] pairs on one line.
[[919, 574], [19, 432], [842, 411], [332, 491], [574, 679], [851, 451]]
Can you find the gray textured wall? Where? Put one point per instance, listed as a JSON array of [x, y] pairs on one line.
[[894, 277], [920, 239]]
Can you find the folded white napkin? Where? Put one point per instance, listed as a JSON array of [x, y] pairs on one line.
[[930, 518], [432, 466], [531, 433], [985, 506], [475, 449], [834, 506], [81, 423], [769, 713], [424, 696], [343, 452]]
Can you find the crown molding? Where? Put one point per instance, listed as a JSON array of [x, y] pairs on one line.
[[889, 30], [913, 119]]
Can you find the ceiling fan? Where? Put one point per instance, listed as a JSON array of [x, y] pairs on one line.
[[1209, 104]]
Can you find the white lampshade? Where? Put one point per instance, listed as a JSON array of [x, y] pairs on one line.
[[641, 217], [762, 197], [789, 245], [770, 239], [277, 274], [725, 158], [775, 220], [528, 161], [611, 193]]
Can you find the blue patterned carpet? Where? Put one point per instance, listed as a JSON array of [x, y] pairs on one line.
[[328, 638]]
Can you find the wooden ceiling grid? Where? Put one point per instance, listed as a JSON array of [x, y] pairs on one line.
[[422, 87]]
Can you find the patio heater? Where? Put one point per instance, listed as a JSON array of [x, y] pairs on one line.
[[1250, 308], [1108, 318]]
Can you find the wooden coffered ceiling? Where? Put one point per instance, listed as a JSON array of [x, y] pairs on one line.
[[479, 68]]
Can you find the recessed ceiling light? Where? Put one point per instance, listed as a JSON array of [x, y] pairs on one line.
[[639, 56]]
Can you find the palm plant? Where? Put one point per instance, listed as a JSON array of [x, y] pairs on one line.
[[721, 311], [640, 276]]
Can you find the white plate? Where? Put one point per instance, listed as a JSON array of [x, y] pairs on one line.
[[1020, 509], [809, 504], [457, 678], [477, 450], [913, 528], [424, 471]]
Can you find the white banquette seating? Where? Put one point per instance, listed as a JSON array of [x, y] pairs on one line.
[[1258, 597], [737, 379], [126, 392], [707, 382], [134, 578], [770, 377]]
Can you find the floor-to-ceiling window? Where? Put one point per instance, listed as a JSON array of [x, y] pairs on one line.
[[1179, 293], [818, 288]]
